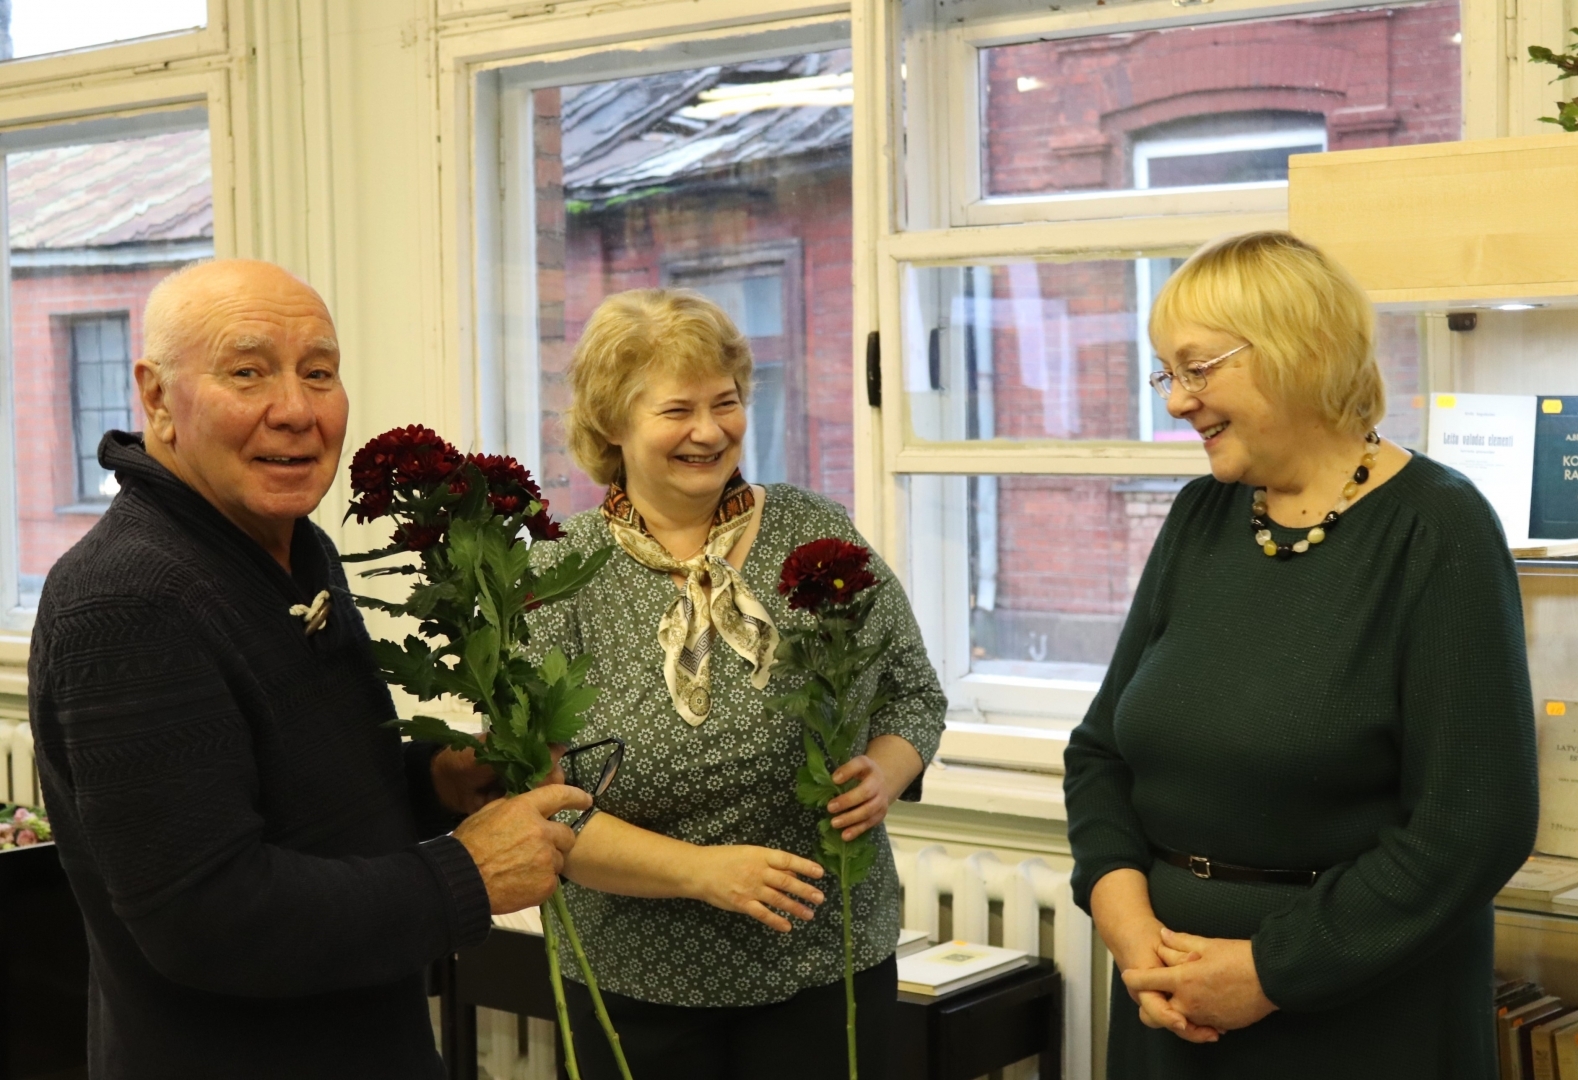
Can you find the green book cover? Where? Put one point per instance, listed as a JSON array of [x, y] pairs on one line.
[[1553, 508]]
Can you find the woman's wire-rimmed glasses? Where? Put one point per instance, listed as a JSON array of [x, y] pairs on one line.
[[1191, 377], [592, 773]]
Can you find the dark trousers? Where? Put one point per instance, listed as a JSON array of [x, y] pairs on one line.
[[798, 1039]]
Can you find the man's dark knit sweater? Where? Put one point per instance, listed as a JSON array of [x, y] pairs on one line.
[[240, 831]]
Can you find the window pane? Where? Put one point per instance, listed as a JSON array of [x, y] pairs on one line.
[[1054, 562], [733, 180], [48, 26], [1217, 104], [1034, 351], [101, 376], [1062, 351], [92, 228]]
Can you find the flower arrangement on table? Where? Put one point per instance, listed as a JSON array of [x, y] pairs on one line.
[[470, 521], [829, 579], [22, 826]]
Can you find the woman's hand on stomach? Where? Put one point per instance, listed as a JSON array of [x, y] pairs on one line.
[[756, 881], [1121, 906], [1212, 981]]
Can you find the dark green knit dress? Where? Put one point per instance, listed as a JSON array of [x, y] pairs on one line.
[[1363, 709]]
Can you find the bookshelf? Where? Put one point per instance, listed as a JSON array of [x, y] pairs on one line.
[[1470, 252]]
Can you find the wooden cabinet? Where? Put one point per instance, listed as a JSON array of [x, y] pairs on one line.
[[1445, 224]]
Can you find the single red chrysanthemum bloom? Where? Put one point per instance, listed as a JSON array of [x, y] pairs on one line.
[[510, 486], [824, 573], [414, 537], [543, 527], [402, 460]]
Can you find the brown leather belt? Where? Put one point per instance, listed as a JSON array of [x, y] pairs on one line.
[[1212, 870]]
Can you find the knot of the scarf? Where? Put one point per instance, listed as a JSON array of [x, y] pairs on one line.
[[715, 601]]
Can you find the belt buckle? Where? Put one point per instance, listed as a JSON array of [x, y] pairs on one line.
[[1200, 867]]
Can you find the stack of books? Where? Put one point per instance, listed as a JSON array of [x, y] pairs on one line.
[[1542, 878], [954, 965], [1536, 1033]]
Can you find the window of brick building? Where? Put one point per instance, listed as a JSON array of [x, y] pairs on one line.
[[1056, 168], [40, 27], [731, 178], [1216, 104], [759, 288], [101, 395], [98, 212]]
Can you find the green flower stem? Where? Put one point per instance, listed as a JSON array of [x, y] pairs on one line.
[[487, 699], [566, 1037], [849, 964], [561, 911]]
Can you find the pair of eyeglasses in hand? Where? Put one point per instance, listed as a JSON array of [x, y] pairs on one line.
[[592, 769]]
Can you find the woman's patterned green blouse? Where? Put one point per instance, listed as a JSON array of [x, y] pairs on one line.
[[728, 781]]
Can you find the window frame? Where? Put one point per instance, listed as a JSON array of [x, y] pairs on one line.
[[940, 216], [131, 81], [478, 35], [489, 155], [84, 498], [134, 56], [787, 258]]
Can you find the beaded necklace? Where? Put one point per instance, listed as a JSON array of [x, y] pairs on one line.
[[1261, 527]]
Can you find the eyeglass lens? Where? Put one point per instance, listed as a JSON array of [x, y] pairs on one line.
[[1162, 381], [593, 768]]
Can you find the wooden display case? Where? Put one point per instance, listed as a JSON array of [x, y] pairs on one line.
[[1446, 224]]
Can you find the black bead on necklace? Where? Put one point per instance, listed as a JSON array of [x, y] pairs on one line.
[[1261, 526]]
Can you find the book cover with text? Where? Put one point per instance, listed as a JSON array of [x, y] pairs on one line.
[[1490, 439], [1553, 500]]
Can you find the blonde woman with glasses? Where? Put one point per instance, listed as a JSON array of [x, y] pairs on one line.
[[1311, 764]]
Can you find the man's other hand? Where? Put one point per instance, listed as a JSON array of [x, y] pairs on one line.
[[465, 785], [518, 849], [462, 783]]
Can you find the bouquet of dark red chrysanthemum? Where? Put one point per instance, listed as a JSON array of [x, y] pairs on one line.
[[470, 521], [843, 689]]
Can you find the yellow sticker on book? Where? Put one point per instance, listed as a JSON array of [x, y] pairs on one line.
[[1555, 708], [1551, 405], [1446, 401]]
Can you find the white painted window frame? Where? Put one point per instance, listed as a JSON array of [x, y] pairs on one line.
[[46, 95], [957, 227], [939, 216]]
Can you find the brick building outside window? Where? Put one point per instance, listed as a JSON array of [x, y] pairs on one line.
[[93, 228]]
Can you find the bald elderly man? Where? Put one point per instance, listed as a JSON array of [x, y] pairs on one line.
[[245, 838]]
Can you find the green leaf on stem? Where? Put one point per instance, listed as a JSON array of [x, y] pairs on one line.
[[412, 666], [432, 729], [482, 661], [567, 577], [862, 853], [560, 697]]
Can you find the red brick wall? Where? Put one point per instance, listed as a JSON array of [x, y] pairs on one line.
[[41, 372], [1377, 78]]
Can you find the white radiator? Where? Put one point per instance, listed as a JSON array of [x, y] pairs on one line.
[[18, 773], [1025, 889]]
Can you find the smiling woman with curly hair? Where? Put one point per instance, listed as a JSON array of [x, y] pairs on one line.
[[693, 887]]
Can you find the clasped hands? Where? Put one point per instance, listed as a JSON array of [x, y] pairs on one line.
[[1195, 987]]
